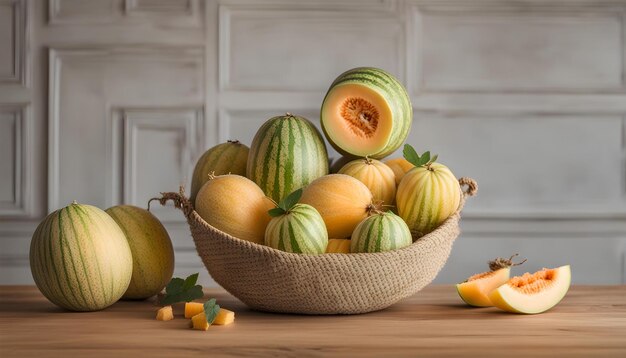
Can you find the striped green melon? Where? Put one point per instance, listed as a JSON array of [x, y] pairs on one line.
[[383, 231], [376, 176], [80, 259], [366, 112], [300, 230], [230, 157], [150, 244], [427, 195], [286, 154]]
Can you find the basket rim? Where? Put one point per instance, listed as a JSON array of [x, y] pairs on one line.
[[182, 202]]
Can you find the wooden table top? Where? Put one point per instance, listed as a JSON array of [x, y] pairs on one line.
[[590, 321]]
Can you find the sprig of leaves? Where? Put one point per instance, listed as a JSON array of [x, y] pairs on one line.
[[286, 204], [179, 290], [412, 157], [211, 309]]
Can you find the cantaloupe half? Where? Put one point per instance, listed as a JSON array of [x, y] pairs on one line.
[[533, 293], [366, 112], [475, 291]]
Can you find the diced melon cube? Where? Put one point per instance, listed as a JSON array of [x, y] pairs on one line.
[[165, 314], [199, 322], [224, 317], [193, 308]]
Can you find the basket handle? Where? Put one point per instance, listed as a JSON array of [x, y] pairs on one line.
[[180, 201], [472, 186], [470, 190]]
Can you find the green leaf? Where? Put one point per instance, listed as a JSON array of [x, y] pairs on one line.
[[190, 281], [411, 155], [276, 212], [211, 309], [291, 200], [434, 158], [179, 290]]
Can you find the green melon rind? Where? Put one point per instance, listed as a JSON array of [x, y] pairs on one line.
[[380, 232], [394, 94], [151, 247], [80, 259], [287, 153], [224, 158], [423, 197], [301, 231]]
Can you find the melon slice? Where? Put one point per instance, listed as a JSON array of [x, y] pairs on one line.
[[476, 289], [366, 112], [193, 308], [533, 293], [165, 314]]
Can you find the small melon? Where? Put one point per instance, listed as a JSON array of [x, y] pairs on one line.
[[475, 290], [376, 175], [226, 158], [383, 231], [235, 205], [150, 244], [428, 194], [366, 111], [400, 166], [342, 201], [533, 293], [338, 246], [299, 230]]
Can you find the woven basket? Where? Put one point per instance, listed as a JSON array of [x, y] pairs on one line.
[[266, 279]]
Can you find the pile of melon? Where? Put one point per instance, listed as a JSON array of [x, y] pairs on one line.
[[278, 192], [83, 258]]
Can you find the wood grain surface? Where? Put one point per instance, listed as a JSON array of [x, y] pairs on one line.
[[590, 321]]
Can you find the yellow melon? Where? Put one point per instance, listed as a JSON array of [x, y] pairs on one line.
[[399, 166], [338, 246], [342, 201], [235, 205], [377, 176]]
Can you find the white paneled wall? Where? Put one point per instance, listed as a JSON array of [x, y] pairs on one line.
[[112, 101]]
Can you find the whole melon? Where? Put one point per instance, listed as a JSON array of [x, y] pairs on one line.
[[383, 231], [80, 259], [300, 230], [427, 196], [400, 166], [286, 154], [236, 206], [342, 201], [226, 158], [151, 247], [366, 112], [376, 175]]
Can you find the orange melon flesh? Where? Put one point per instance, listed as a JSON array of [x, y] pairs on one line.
[[363, 135], [199, 322], [533, 293], [165, 314], [224, 317], [193, 308], [476, 289]]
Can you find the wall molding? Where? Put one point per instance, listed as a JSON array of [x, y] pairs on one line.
[[20, 206], [569, 9], [384, 15], [20, 43]]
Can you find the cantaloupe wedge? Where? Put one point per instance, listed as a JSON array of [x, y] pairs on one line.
[[533, 293], [165, 314], [476, 289]]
